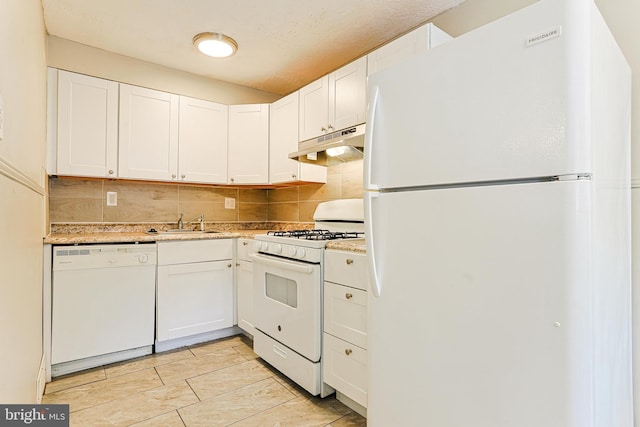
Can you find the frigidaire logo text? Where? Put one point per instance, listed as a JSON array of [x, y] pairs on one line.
[[544, 36], [541, 37]]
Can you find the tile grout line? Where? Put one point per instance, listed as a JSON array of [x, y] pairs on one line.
[[293, 397]]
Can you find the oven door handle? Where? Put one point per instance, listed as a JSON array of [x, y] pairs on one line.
[[300, 268]]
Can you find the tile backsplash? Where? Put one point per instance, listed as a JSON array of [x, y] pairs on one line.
[[74, 200]]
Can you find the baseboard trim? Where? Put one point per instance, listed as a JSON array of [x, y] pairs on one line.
[[196, 339], [41, 380]]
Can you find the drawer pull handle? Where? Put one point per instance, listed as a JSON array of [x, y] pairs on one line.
[[349, 261], [348, 295], [348, 351]]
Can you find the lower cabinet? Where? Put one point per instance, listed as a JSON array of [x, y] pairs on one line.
[[194, 288], [345, 368], [345, 325], [244, 283]]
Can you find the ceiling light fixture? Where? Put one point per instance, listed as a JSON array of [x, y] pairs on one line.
[[215, 44]]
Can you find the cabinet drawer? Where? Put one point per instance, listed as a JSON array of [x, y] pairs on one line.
[[345, 368], [347, 268], [345, 313], [188, 251]]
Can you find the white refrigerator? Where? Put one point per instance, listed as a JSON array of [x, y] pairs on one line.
[[498, 228]]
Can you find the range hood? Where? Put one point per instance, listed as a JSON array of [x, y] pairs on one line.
[[333, 148]]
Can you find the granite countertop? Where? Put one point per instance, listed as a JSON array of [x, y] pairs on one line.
[[355, 245], [131, 237], [76, 234]]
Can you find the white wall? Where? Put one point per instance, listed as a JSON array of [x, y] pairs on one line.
[[72, 56], [623, 17], [22, 201]]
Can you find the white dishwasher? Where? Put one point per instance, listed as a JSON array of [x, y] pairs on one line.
[[103, 304]]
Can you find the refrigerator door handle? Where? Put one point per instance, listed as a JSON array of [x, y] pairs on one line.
[[371, 255], [368, 140]]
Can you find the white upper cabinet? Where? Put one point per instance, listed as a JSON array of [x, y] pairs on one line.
[[335, 101], [148, 134], [202, 152], [283, 139], [248, 155], [348, 95], [87, 139], [410, 44], [314, 109]]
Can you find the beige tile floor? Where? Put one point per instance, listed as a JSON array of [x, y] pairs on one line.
[[221, 383]]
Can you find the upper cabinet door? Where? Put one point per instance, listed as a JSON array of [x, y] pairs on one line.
[[283, 139], [148, 134], [418, 40], [314, 109], [335, 101], [248, 144], [87, 126], [202, 141], [348, 95]]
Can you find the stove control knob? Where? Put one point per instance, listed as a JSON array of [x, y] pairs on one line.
[[301, 253], [277, 248], [256, 246], [264, 246], [293, 251]]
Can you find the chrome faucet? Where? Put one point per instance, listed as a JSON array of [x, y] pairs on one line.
[[200, 219]]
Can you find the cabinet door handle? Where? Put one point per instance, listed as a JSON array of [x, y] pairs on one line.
[[110, 171], [349, 261], [237, 264], [231, 179], [348, 351], [329, 127], [323, 129], [183, 176], [229, 265], [245, 243], [348, 295], [173, 175]]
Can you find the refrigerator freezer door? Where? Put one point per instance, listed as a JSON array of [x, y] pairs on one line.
[[486, 105], [483, 317]]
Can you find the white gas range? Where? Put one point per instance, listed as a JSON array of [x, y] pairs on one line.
[[288, 291]]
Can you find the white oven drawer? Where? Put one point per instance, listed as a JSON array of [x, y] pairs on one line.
[[345, 313], [345, 368], [290, 363], [347, 268]]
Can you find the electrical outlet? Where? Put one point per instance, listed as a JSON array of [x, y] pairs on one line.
[[229, 203], [112, 198]]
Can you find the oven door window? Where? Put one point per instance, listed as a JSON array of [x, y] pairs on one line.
[[281, 289]]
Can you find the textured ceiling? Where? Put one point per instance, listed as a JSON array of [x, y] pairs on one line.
[[283, 44]]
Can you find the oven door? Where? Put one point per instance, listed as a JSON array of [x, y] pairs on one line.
[[287, 302]]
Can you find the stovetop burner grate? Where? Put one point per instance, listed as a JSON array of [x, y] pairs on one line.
[[317, 234]]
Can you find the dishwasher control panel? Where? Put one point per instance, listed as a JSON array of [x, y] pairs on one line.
[[95, 256]]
